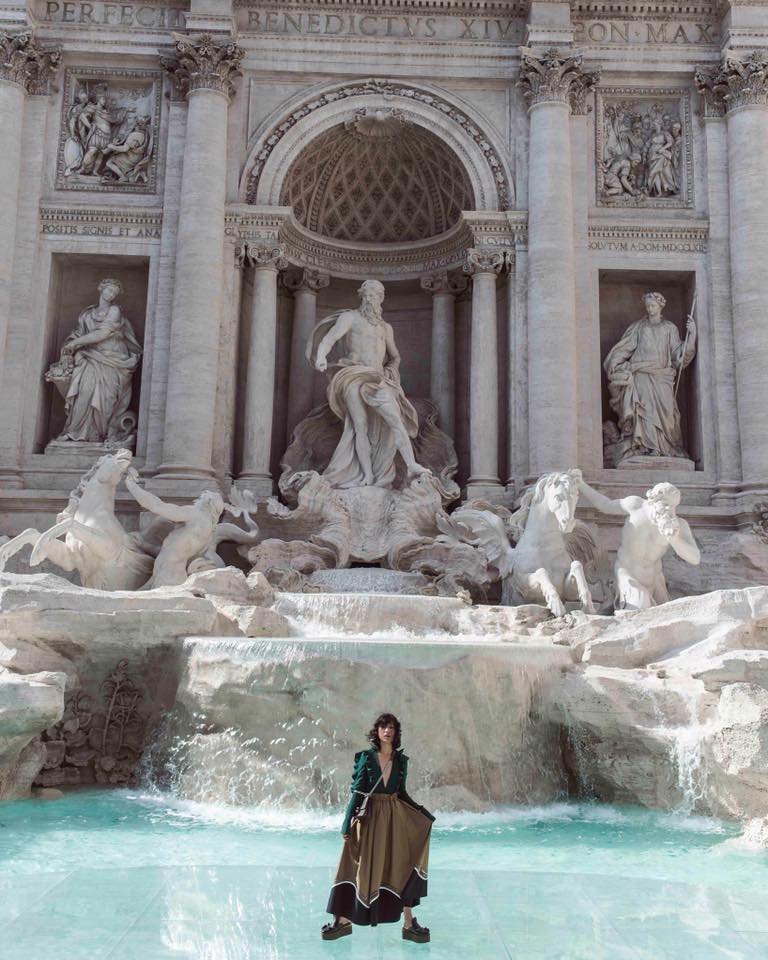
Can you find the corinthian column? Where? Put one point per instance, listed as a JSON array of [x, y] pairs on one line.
[[442, 373], [304, 284], [25, 67], [266, 261], [553, 85], [740, 90], [483, 267], [203, 72]]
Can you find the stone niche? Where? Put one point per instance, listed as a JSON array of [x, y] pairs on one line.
[[73, 287], [621, 303]]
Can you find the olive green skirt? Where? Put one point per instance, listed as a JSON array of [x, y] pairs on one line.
[[383, 865]]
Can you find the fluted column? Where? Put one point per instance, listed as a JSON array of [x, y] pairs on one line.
[[304, 284], [442, 374], [259, 403], [739, 88], [25, 67], [203, 71], [483, 267], [553, 84]]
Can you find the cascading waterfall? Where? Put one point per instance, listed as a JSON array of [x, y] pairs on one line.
[[274, 722]]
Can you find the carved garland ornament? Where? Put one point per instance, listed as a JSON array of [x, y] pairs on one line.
[[735, 83], [375, 87], [261, 255], [550, 77], [203, 64], [25, 62]]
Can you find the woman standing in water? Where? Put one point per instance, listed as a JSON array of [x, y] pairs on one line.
[[383, 868]]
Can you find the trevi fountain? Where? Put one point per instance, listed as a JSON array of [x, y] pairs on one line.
[[375, 356]]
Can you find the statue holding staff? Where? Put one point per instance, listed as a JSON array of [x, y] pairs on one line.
[[642, 369]]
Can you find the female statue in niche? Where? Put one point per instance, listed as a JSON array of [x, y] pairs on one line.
[[641, 370], [95, 371]]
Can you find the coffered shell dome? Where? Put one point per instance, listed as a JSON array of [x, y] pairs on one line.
[[377, 179]]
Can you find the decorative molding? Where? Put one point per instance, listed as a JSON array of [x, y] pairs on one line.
[[27, 63], [484, 261], [490, 230], [204, 63], [551, 77], [735, 83], [393, 261], [621, 165], [505, 8], [126, 91], [101, 223], [386, 88]]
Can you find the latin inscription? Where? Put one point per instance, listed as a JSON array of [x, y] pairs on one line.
[[642, 31], [135, 15], [375, 25], [649, 246], [131, 231]]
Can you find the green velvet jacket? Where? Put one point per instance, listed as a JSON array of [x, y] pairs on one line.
[[365, 775]]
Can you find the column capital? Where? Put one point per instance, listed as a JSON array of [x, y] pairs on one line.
[[735, 83], [270, 255], [306, 279], [26, 62], [203, 63], [483, 261], [450, 283], [552, 77]]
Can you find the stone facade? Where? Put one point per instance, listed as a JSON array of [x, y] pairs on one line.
[[518, 177]]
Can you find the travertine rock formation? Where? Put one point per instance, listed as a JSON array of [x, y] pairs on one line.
[[269, 693]]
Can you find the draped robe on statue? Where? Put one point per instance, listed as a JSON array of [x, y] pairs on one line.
[[641, 371], [99, 392], [375, 388]]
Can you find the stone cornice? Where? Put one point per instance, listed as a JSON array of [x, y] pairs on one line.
[[27, 63], [204, 63], [505, 8], [735, 83], [393, 261], [552, 77]]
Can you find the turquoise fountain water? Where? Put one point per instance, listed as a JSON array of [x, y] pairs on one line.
[[141, 875]]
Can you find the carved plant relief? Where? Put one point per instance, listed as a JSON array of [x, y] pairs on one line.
[[643, 148], [109, 129]]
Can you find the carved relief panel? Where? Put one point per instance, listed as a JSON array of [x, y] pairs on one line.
[[109, 130], [644, 148]]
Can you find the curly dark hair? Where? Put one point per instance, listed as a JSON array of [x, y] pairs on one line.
[[382, 721]]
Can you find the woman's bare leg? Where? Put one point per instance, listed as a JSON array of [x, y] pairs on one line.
[[408, 917]]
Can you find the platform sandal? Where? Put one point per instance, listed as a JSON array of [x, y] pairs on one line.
[[416, 932], [332, 931]]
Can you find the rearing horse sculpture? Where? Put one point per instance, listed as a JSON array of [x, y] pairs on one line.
[[547, 562], [95, 544], [552, 545]]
